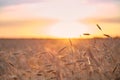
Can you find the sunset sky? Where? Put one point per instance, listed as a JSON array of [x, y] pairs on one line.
[[58, 18]]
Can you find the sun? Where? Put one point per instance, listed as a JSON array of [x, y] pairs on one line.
[[67, 30]]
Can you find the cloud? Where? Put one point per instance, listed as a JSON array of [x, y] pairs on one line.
[[59, 9], [103, 20], [110, 20], [103, 1], [14, 2], [30, 22]]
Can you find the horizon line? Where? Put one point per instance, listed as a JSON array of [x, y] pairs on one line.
[[62, 38]]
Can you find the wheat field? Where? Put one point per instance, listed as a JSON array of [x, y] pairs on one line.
[[60, 59]]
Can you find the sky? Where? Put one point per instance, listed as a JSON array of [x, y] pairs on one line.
[[58, 18]]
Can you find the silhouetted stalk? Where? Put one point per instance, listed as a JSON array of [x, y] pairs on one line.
[[71, 45], [109, 37]]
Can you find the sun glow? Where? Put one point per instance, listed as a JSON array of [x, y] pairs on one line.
[[67, 30]]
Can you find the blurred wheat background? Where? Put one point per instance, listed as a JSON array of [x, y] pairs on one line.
[[65, 59]]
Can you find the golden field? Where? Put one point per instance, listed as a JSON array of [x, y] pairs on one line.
[[60, 59]]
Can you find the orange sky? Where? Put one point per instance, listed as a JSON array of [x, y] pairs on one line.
[[58, 18]]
